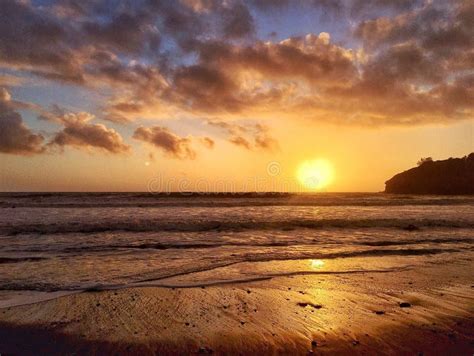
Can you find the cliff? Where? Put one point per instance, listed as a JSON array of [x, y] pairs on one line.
[[451, 176]]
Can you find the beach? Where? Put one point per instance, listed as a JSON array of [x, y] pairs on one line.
[[326, 274], [299, 314], [236, 177]]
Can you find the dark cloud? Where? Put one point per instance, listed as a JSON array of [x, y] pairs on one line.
[[121, 111], [124, 32], [312, 58], [46, 42], [205, 88], [217, 83], [79, 133], [237, 21], [159, 58], [15, 136], [439, 27], [339, 7], [421, 57], [358, 7], [32, 39], [331, 5], [165, 140]]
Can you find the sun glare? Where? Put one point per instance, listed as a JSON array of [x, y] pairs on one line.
[[315, 174]]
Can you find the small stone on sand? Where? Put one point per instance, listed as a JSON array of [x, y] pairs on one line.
[[304, 305], [411, 227]]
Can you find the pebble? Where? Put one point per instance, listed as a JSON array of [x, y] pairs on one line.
[[411, 227], [205, 350], [405, 305], [315, 306]]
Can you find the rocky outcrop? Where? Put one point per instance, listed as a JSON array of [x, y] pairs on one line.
[[451, 176]]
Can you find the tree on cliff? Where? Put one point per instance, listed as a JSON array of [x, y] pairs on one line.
[[424, 160]]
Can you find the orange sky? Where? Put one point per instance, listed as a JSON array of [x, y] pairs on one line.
[[230, 95]]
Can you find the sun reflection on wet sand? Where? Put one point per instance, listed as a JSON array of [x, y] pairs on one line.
[[316, 264]]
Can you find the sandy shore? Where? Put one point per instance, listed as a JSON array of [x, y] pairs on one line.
[[328, 314]]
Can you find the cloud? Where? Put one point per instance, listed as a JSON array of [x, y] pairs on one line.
[[312, 58], [15, 137], [419, 58], [250, 137], [341, 8], [240, 141], [128, 33], [237, 21], [62, 42], [237, 79], [358, 7], [264, 140], [165, 140], [208, 142], [5, 96], [33, 40], [7, 80], [157, 59], [204, 88], [328, 5], [79, 133], [432, 26]]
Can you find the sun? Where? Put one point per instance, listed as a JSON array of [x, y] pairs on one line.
[[316, 174]]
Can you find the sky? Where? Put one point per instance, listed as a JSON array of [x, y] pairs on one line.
[[231, 95]]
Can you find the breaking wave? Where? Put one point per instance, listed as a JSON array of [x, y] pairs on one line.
[[203, 226]]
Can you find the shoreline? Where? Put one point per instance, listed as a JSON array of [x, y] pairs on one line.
[[299, 314]]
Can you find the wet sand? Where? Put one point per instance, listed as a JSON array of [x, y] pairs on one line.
[[425, 311]]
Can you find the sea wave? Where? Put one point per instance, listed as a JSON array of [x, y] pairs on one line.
[[148, 225], [220, 244], [159, 274], [189, 199]]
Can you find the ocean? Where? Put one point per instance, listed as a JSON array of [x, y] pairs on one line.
[[52, 242]]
